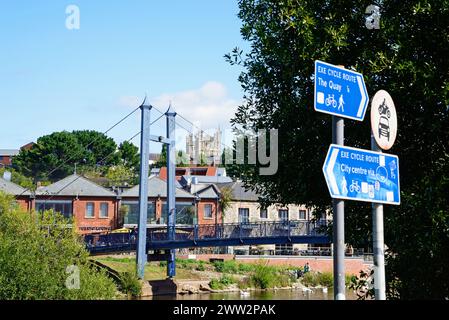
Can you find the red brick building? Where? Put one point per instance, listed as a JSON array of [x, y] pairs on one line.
[[93, 208], [6, 156], [191, 208]]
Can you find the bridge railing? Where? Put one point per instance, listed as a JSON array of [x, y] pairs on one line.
[[236, 231], [128, 241]]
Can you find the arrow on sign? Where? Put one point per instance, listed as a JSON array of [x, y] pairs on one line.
[[363, 102], [330, 173]]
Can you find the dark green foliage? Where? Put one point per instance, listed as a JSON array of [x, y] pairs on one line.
[[201, 266], [314, 279], [264, 276], [130, 284], [97, 148], [363, 285], [226, 266], [129, 155], [162, 162], [407, 56], [54, 156], [222, 283]]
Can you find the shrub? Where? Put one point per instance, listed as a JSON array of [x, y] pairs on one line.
[[245, 267], [227, 280], [130, 284], [232, 267], [215, 284], [218, 265], [40, 256], [200, 266], [313, 279], [264, 276], [222, 283]]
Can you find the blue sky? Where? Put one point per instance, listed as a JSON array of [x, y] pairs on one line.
[[53, 78]]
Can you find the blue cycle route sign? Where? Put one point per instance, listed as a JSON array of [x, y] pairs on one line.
[[340, 92], [362, 175]]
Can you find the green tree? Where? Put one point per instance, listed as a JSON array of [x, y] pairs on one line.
[[54, 156], [40, 259], [129, 155], [408, 57], [182, 159], [121, 175], [162, 162], [97, 148], [45, 160]]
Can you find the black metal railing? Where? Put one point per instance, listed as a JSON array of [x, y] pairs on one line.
[[194, 233]]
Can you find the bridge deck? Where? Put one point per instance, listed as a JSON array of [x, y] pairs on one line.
[[212, 236]]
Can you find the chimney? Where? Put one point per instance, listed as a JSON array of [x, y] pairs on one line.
[[7, 175]]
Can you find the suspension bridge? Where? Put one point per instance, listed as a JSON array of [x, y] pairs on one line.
[[211, 235], [171, 236]]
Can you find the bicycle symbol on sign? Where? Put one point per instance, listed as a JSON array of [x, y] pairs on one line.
[[330, 100], [354, 186]]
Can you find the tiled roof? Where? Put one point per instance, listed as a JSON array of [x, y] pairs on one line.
[[75, 185], [12, 188], [238, 191], [156, 188], [205, 191]]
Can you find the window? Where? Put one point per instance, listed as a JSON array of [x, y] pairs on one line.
[[185, 212], [104, 208], [90, 210], [302, 214], [243, 215], [63, 207], [283, 214], [283, 249], [263, 213], [208, 211], [131, 213]]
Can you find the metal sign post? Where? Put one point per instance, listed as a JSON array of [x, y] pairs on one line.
[[338, 223], [378, 243], [143, 189], [383, 135]]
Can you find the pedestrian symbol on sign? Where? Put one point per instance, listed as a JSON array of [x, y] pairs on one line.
[[341, 103]]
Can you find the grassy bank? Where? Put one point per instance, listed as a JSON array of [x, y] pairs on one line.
[[227, 274]]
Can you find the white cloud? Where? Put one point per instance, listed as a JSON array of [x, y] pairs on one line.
[[208, 107]]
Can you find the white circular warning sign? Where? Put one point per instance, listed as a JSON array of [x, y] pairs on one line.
[[384, 122]]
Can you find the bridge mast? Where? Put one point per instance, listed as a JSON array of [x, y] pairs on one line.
[[171, 180], [143, 188]]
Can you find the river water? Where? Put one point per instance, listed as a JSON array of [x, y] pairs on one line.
[[316, 294]]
